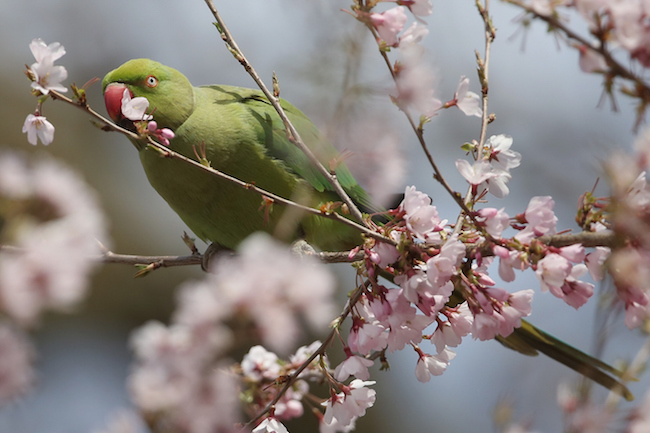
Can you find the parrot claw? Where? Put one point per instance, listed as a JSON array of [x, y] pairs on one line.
[[301, 248], [209, 253]]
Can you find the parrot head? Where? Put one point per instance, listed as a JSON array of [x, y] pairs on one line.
[[170, 94]]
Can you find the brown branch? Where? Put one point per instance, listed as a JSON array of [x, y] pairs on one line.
[[587, 239], [294, 136], [162, 261]]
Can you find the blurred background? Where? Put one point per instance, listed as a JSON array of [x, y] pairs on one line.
[[328, 66]]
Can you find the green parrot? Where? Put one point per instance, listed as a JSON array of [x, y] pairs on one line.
[[244, 137]]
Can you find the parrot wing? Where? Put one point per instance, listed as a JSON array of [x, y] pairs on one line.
[[278, 146]]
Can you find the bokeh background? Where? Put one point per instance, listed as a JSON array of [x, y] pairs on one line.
[[328, 66]]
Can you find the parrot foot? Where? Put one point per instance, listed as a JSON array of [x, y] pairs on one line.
[[301, 248], [209, 253]]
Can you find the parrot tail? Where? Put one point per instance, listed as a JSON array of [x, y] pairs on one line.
[[528, 340]]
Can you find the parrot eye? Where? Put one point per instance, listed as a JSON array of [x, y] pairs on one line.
[[152, 81]]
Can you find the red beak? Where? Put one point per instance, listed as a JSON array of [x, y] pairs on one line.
[[113, 98]]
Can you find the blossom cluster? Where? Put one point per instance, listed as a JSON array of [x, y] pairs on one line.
[[621, 22], [261, 370], [491, 170], [444, 283], [414, 78], [53, 221], [265, 289], [46, 76], [618, 44]]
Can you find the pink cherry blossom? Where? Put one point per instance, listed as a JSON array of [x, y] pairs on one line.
[[56, 254], [508, 261], [595, 262], [495, 221], [405, 326], [260, 364], [477, 173], [212, 405], [163, 135], [270, 425], [486, 326], [135, 108], [540, 217], [412, 36], [442, 266], [590, 60], [458, 325], [501, 156], [629, 268], [290, 404], [521, 301], [432, 365], [353, 365], [640, 417], [575, 253], [552, 270], [347, 406], [468, 102], [575, 292], [366, 337], [386, 254], [415, 82], [389, 24], [497, 184], [47, 76], [43, 52], [421, 217], [38, 127], [418, 7], [430, 297], [305, 352], [273, 287]]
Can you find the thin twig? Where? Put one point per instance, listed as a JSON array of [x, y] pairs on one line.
[[293, 134], [483, 74]]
